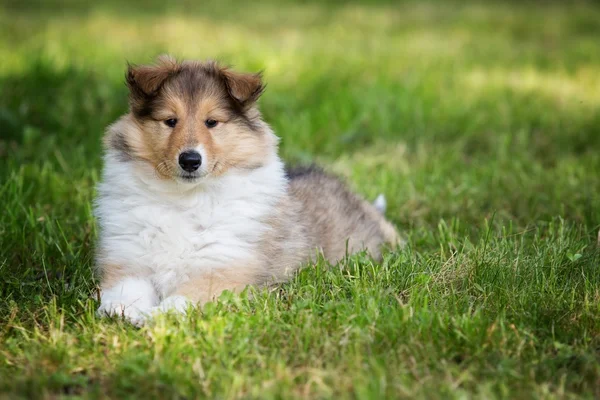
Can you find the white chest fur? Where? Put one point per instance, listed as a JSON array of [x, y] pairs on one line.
[[169, 231]]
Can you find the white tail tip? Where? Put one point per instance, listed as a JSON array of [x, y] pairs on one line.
[[380, 203]]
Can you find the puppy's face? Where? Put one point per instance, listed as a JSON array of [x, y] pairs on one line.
[[193, 120]]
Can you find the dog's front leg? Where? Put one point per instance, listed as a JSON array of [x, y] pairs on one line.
[[207, 286], [130, 297]]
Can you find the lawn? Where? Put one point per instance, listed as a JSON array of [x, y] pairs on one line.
[[480, 121]]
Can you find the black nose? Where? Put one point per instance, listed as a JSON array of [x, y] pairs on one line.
[[190, 160]]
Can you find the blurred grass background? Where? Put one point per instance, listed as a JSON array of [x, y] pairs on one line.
[[479, 120]]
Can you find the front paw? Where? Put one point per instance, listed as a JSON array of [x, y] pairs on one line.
[[177, 304], [131, 299]]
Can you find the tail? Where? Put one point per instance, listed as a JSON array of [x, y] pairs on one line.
[[380, 203], [390, 234]]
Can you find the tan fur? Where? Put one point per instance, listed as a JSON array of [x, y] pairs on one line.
[[207, 286], [245, 88], [149, 78], [112, 274], [317, 213]]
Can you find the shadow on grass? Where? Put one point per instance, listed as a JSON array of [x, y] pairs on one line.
[[47, 108], [52, 123]]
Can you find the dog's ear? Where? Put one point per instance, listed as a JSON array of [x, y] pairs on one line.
[[243, 88], [144, 81]]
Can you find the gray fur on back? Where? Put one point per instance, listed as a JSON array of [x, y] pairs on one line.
[[335, 218]]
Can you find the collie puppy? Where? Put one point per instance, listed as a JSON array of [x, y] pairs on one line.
[[194, 199]]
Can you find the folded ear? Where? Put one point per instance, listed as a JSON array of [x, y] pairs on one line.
[[244, 88], [146, 80]]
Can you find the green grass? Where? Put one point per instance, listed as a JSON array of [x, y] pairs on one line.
[[479, 120]]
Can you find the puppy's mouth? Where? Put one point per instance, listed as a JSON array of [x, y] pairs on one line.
[[190, 178]]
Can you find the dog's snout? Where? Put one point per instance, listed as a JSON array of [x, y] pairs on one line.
[[190, 161]]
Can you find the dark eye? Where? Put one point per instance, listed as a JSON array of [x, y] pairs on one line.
[[210, 123], [171, 122]]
